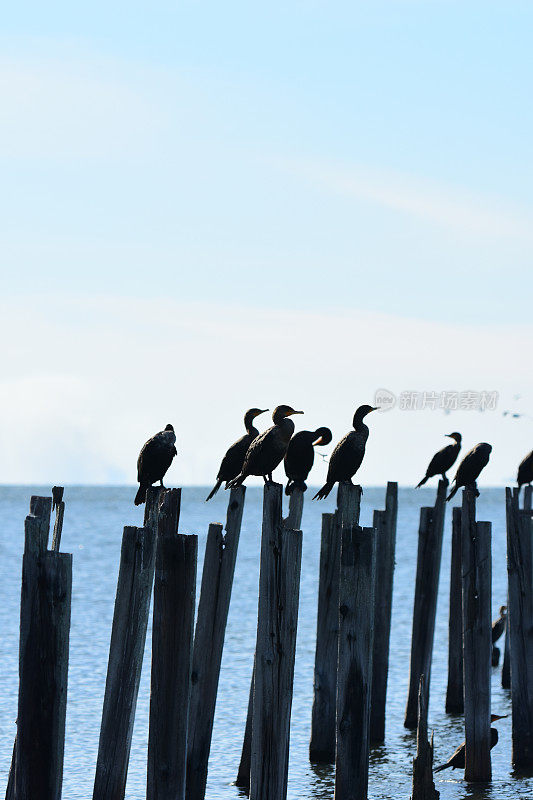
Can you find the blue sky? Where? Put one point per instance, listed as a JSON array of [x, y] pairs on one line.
[[344, 160]]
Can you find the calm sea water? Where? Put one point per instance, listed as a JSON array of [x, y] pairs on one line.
[[92, 531]]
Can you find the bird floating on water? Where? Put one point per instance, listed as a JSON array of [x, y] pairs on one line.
[[457, 759], [154, 460], [348, 454], [525, 471], [443, 460], [300, 456], [234, 459], [268, 449], [470, 467]]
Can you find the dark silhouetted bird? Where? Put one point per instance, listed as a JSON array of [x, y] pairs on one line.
[[300, 456], [348, 454], [457, 760], [443, 460], [234, 459], [267, 450], [525, 471], [57, 496], [498, 627], [154, 460], [470, 467]]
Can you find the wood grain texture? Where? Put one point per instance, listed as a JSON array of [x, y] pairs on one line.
[[454, 690]]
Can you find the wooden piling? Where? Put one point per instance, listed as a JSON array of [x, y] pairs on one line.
[[423, 784], [354, 675], [323, 716], [172, 640], [128, 635], [215, 595], [385, 527], [43, 661], [430, 535], [279, 586], [477, 638], [454, 691], [520, 626], [296, 507], [57, 492]]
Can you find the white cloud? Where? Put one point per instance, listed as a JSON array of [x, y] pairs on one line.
[[85, 381]]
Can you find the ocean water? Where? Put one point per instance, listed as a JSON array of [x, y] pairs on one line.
[[94, 519]]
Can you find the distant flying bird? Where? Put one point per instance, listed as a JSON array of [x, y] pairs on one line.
[[348, 454], [525, 471], [457, 759], [443, 460], [154, 460], [57, 496], [300, 456], [234, 459], [268, 449], [470, 467]]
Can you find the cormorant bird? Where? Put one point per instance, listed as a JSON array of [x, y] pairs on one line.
[[525, 471], [348, 454], [267, 450], [498, 627], [154, 460], [234, 459], [57, 496], [443, 460], [470, 467], [300, 456], [457, 760]]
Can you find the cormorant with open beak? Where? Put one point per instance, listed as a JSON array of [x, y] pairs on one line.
[[267, 450], [525, 471], [234, 459], [470, 467], [443, 460], [154, 460], [348, 454], [300, 456]]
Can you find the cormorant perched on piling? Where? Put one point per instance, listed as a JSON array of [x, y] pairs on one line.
[[234, 459], [443, 460], [457, 760], [267, 450], [470, 467], [525, 471], [348, 454], [154, 460], [300, 456], [498, 627]]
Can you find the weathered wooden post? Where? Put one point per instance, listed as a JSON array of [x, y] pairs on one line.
[[385, 526], [477, 638], [172, 641], [323, 718], [43, 661], [454, 691], [506, 666], [215, 595], [354, 676], [520, 625], [423, 784], [59, 505], [279, 586], [293, 521], [430, 536], [128, 635]]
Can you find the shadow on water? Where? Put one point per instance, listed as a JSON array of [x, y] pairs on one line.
[[322, 781]]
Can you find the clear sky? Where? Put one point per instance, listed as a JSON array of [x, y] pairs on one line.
[[209, 206]]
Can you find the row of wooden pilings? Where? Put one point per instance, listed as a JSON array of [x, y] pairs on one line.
[[352, 647]]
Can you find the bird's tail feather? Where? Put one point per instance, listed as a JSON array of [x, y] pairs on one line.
[[214, 490], [140, 497], [324, 491], [238, 481], [453, 491], [422, 482]]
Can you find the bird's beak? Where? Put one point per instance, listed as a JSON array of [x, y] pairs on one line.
[[320, 440], [261, 412], [290, 413], [494, 717], [375, 408], [448, 436]]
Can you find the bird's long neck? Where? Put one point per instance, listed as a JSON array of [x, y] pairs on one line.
[[286, 427], [359, 425], [251, 430]]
